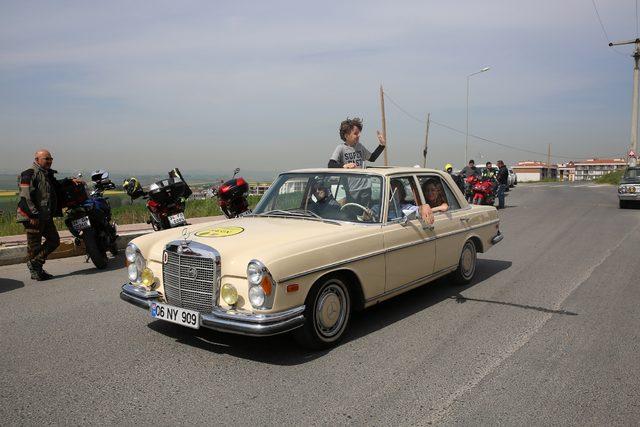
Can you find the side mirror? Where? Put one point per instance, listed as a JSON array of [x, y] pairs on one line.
[[406, 218]]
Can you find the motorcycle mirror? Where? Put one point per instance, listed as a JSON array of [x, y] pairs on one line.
[[235, 172]]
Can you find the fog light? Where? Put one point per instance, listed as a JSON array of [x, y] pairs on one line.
[[229, 294], [133, 272], [256, 296], [147, 277]]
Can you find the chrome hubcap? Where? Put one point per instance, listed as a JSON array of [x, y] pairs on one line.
[[468, 261], [331, 310]]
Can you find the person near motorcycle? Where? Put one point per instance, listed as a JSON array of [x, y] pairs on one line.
[[467, 172], [37, 206], [503, 182], [456, 178], [488, 171]]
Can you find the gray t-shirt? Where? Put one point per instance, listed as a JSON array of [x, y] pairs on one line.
[[357, 154]]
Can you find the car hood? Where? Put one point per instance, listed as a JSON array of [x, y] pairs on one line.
[[630, 181], [268, 239]]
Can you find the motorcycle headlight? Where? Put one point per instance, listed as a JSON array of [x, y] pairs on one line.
[[131, 252]]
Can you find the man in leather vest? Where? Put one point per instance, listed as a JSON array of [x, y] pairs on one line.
[[37, 207]]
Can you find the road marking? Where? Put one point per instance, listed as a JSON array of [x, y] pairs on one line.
[[446, 409]]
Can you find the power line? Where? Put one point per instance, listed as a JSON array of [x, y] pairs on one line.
[[471, 135], [606, 36]]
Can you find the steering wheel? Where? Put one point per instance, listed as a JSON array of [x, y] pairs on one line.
[[364, 209]]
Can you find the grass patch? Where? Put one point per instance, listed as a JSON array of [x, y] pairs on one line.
[[610, 178], [122, 211]]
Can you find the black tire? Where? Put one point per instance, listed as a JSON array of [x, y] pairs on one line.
[[97, 255], [466, 265], [327, 314]]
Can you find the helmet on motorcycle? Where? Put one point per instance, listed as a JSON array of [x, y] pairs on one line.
[[132, 187], [448, 167]]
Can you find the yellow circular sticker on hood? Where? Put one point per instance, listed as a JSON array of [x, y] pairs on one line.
[[220, 232]]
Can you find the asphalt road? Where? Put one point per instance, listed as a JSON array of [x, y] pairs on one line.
[[548, 333]]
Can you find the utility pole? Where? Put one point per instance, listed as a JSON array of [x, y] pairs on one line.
[[549, 160], [426, 143], [634, 105], [384, 127]]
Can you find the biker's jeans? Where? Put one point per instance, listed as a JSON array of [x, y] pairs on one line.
[[500, 194]]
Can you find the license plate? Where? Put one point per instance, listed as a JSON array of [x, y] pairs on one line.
[[177, 219], [81, 223], [188, 318]]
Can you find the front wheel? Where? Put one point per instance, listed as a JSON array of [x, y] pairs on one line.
[[467, 264], [97, 255], [327, 314]]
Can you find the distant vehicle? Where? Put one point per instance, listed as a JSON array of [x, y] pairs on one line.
[[629, 187]]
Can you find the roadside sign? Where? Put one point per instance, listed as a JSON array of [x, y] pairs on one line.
[[632, 153]]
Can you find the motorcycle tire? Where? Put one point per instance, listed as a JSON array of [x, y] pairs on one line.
[[97, 255]]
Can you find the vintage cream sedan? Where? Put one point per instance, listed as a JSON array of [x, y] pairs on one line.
[[320, 244]]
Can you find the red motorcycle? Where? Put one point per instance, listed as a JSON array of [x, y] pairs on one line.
[[232, 196], [166, 200], [483, 190]]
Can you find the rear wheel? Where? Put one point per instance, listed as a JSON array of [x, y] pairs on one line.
[[327, 314], [467, 264], [97, 255]]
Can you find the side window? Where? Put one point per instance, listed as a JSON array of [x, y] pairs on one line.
[[436, 192], [402, 197]]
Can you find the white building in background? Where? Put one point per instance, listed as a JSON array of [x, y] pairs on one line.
[[587, 170], [530, 171]]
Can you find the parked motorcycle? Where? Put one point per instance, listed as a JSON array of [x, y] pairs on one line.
[[88, 217], [232, 196], [166, 199], [483, 190]]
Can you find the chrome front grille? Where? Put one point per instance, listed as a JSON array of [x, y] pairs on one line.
[[189, 281]]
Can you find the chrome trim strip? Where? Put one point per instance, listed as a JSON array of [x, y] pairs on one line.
[[380, 252], [422, 280]]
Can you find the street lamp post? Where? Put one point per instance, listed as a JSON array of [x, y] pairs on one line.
[[466, 141]]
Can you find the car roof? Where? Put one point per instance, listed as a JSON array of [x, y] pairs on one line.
[[378, 170]]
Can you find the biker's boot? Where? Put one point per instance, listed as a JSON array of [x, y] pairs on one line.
[[37, 272]]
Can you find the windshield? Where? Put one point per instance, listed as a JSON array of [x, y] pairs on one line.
[[330, 196], [632, 174]]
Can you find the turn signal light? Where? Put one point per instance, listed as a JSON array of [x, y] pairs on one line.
[[266, 285], [293, 287]]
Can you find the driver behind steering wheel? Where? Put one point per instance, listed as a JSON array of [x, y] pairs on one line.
[[325, 205]]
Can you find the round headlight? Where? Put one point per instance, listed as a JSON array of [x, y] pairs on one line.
[[254, 273], [131, 252], [256, 296], [140, 264], [133, 272], [229, 294], [147, 277]]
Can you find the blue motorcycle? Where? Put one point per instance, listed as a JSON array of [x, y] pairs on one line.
[[88, 217]]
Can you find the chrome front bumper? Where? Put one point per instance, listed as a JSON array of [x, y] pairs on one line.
[[497, 238], [629, 196], [224, 320]]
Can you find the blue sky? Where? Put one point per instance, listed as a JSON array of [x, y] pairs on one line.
[[207, 86]]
